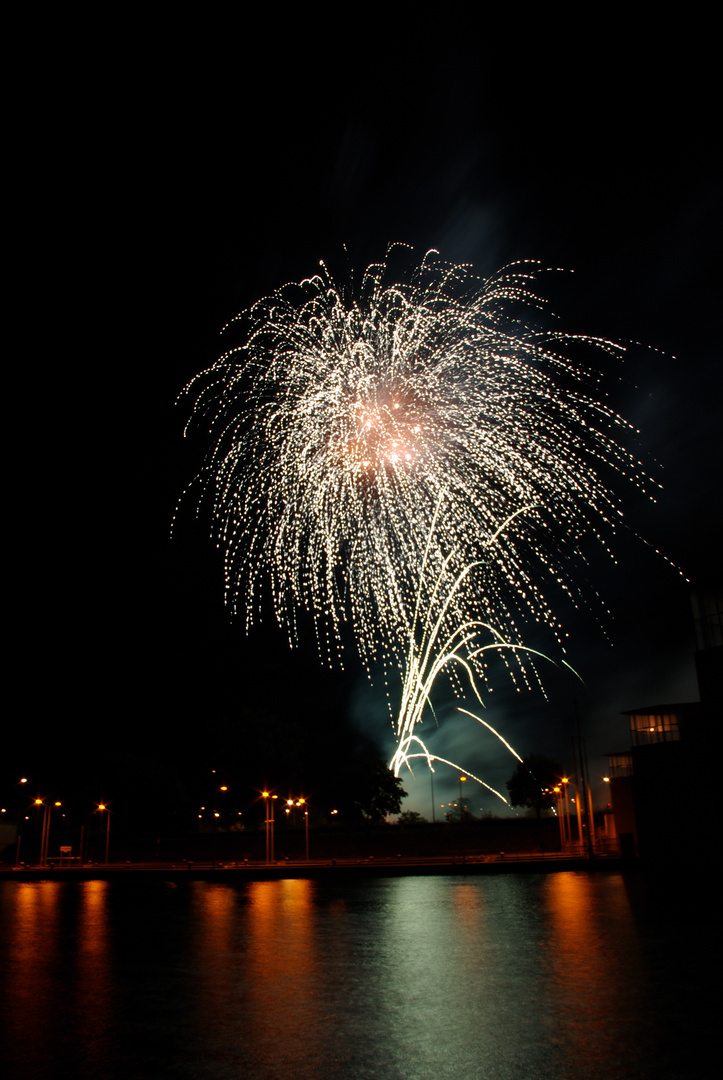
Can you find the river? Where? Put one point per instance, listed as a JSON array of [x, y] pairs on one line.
[[512, 977]]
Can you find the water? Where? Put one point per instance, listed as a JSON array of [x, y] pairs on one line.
[[516, 977]]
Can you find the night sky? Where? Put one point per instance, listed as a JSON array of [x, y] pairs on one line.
[[183, 172]]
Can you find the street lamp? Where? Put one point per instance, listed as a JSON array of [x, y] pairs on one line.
[[46, 817], [557, 791], [565, 781], [45, 838], [101, 808], [269, 801], [303, 802], [292, 805]]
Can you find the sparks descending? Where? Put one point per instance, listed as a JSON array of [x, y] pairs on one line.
[[345, 418], [437, 649]]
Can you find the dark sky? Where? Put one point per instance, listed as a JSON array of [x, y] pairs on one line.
[[177, 173]]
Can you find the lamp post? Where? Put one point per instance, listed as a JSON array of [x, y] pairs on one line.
[[305, 805], [103, 808], [557, 790], [46, 826], [45, 838], [565, 781], [292, 805], [269, 822], [462, 780], [265, 796], [47, 834]]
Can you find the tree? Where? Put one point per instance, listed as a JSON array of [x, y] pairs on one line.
[[411, 817], [372, 789], [532, 782]]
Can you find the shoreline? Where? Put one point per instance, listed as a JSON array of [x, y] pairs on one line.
[[316, 869]]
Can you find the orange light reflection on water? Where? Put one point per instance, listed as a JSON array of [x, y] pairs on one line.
[[31, 961], [56, 971], [268, 953], [586, 967]]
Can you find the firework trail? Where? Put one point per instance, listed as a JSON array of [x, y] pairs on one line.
[[430, 656], [343, 419], [436, 650]]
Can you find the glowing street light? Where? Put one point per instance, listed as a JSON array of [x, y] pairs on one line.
[[557, 792], [303, 802], [565, 780], [46, 816], [269, 801], [298, 804], [45, 837], [102, 808]]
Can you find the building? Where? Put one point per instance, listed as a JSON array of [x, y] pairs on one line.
[[665, 788]]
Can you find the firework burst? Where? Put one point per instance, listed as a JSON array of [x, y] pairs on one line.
[[343, 420]]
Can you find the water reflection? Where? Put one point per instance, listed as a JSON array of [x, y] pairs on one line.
[[503, 978], [94, 976], [260, 979], [57, 960], [460, 964], [31, 954]]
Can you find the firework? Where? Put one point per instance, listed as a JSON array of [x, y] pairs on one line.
[[417, 461], [437, 648], [342, 418]]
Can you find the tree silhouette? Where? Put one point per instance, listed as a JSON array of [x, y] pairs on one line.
[[532, 782]]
